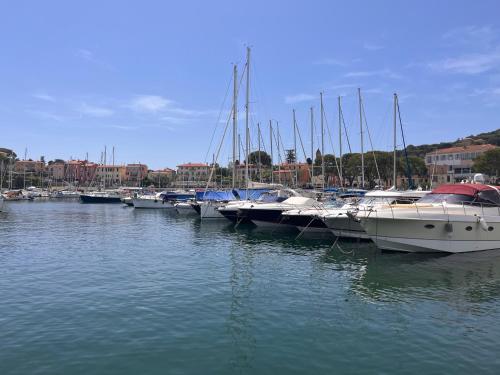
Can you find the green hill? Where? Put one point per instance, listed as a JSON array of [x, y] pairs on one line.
[[492, 137]]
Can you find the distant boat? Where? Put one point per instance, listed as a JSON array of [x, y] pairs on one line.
[[156, 201], [101, 197], [1, 203]]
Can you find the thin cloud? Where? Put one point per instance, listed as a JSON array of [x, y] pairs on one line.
[[370, 73], [469, 64], [330, 61], [90, 57], [471, 35], [94, 111], [292, 99], [372, 46], [44, 97], [46, 115], [150, 103]]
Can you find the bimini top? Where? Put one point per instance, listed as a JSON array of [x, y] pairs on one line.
[[463, 189]]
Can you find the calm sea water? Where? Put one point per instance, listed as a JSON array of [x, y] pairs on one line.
[[104, 289]]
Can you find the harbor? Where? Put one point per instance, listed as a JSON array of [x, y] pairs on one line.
[[249, 188], [104, 288]]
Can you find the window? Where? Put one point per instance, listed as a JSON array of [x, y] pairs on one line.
[[450, 157], [457, 156]]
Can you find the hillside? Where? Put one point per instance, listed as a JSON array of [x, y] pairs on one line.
[[492, 137]]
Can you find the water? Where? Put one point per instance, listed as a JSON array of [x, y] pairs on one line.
[[103, 289]]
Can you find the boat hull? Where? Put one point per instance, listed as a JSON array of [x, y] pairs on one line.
[[152, 203], [458, 234], [342, 225], [97, 199]]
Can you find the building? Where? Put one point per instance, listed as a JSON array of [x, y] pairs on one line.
[[162, 177], [192, 174], [135, 173], [293, 174], [56, 171], [80, 172], [110, 175], [454, 164], [29, 166]]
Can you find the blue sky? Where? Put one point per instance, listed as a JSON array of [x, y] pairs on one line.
[[150, 77]]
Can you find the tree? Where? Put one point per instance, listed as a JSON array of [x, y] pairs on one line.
[[488, 163], [265, 159], [290, 156]]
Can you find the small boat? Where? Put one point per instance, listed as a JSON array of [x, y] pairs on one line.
[[16, 195], [453, 218], [157, 201], [101, 197], [1, 203], [64, 194]]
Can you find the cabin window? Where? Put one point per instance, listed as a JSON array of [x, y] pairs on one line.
[[468, 228], [490, 229], [429, 226]]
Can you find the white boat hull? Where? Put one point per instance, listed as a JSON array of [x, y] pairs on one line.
[[152, 203], [449, 232]]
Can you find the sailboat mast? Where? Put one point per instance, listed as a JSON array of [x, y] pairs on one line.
[[295, 147], [247, 100], [271, 139], [105, 162], [340, 142], [362, 142], [259, 159], [312, 145], [235, 119], [322, 139], [394, 176]]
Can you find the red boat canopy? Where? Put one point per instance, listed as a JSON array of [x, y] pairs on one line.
[[463, 189]]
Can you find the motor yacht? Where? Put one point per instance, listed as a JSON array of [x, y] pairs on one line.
[[453, 218]]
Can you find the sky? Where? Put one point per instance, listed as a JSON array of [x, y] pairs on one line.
[[152, 78]]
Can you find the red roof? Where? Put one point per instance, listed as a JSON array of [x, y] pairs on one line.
[[463, 189]]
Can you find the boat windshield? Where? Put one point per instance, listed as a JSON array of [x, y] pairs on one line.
[[448, 198]]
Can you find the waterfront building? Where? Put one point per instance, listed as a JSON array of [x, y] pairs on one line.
[[292, 174], [454, 164], [56, 171], [110, 175], [162, 177], [192, 174], [29, 166], [135, 173]]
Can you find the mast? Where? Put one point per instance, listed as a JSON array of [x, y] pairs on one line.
[[295, 147], [260, 164], [24, 174], [104, 167], [322, 138], [312, 145], [279, 156], [247, 100], [394, 176], [362, 143], [340, 143], [271, 139], [235, 119]]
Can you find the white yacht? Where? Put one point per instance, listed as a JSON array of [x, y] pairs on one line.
[[341, 223], [270, 214], [157, 201], [453, 218]]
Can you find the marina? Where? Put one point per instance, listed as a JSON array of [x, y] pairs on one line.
[[106, 288], [241, 188]]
